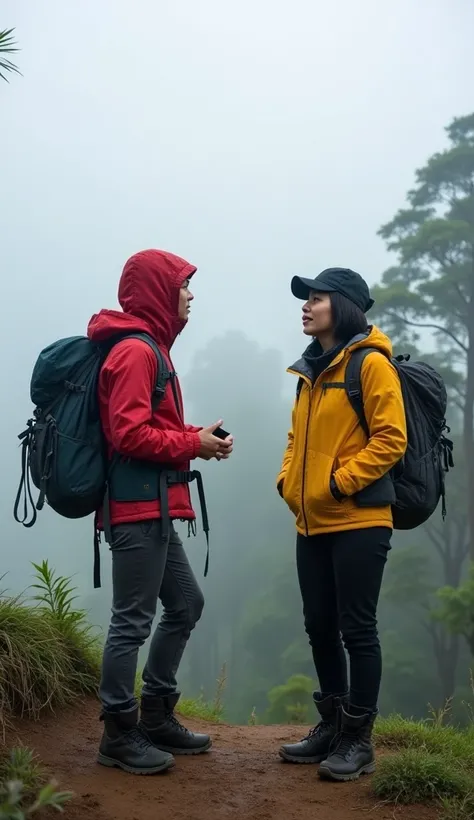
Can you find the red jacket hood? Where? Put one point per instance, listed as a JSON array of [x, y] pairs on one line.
[[149, 296]]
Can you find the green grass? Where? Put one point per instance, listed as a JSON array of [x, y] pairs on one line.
[[427, 762], [23, 790], [458, 809], [416, 776], [48, 654], [49, 657], [197, 708], [397, 733], [200, 709], [21, 764]]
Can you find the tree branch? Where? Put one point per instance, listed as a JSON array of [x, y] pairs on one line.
[[439, 328], [438, 542]]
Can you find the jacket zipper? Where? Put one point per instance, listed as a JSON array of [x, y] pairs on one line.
[[306, 441], [304, 463]]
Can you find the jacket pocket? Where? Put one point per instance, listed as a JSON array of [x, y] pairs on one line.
[[381, 493], [320, 501], [290, 489]]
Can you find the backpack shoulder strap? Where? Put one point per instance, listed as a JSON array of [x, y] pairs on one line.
[[299, 387], [353, 384], [163, 374]]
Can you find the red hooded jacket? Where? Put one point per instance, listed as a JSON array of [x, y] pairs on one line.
[[149, 295]]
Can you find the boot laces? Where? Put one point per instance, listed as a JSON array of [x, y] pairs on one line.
[[321, 727], [343, 744], [138, 739], [174, 720]]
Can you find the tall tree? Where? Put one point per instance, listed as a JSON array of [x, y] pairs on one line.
[[7, 46], [432, 287]]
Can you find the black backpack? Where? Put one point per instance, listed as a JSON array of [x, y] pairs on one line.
[[63, 450], [419, 479], [63, 447]]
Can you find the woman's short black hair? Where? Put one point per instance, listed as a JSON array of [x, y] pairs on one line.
[[348, 319]]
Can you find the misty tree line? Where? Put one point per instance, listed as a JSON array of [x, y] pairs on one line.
[[252, 621]]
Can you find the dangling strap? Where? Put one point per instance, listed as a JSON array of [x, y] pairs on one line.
[[97, 583], [205, 519], [24, 488], [169, 477]]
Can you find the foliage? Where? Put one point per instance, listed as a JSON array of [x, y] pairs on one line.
[[48, 656], [458, 809], [197, 708], [410, 587], [457, 609], [15, 806], [200, 709], [426, 299], [432, 286], [291, 702], [23, 765], [23, 792], [7, 46]]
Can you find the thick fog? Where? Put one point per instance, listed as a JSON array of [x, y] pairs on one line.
[[258, 140]]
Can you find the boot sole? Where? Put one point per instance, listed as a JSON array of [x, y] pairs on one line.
[[111, 763], [327, 774], [201, 750], [287, 758]]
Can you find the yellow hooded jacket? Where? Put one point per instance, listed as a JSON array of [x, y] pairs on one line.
[[327, 441]]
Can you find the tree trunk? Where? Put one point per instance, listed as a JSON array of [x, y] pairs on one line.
[[468, 431], [446, 652]]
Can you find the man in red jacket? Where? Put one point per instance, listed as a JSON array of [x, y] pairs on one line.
[[148, 558]]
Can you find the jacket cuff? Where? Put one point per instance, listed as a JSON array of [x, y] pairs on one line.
[[195, 444], [191, 428], [336, 493]]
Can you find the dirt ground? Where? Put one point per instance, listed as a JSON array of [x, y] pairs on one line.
[[242, 778]]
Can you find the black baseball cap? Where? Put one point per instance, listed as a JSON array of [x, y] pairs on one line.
[[335, 280]]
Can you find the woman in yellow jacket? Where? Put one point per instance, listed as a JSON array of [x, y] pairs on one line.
[[336, 482]]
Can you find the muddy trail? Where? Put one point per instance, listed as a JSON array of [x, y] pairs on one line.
[[242, 778]]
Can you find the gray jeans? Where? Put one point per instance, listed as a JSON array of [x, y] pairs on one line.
[[143, 570]]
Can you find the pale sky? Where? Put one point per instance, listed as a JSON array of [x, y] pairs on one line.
[[258, 139]]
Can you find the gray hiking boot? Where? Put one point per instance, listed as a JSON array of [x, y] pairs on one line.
[[315, 746], [352, 752], [123, 745], [161, 727]]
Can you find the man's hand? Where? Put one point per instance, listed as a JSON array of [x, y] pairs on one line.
[[222, 455], [211, 445]]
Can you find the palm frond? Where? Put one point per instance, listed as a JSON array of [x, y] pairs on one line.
[[7, 46]]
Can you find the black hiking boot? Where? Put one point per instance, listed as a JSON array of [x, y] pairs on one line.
[[352, 752], [123, 745], [315, 746], [162, 728]]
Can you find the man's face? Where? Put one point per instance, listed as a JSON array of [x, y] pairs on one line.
[[185, 299]]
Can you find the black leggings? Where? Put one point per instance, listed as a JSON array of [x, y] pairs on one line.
[[340, 576]]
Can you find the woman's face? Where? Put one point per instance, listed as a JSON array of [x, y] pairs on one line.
[[317, 315]]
